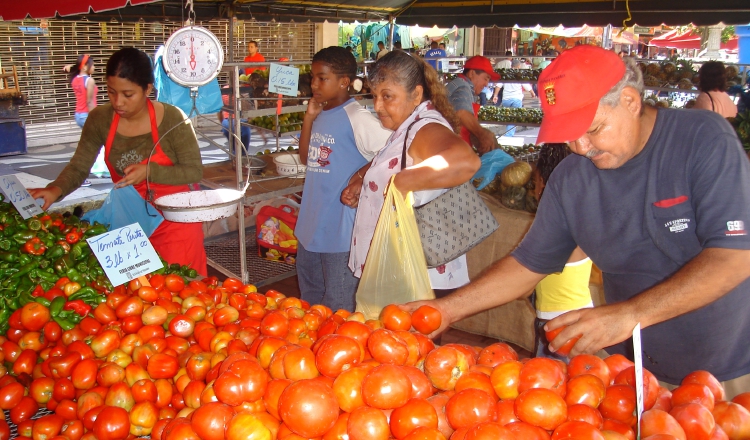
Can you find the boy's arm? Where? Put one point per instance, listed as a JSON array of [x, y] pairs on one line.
[[313, 110]]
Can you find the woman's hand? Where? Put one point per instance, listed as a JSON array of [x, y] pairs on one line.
[[134, 174], [49, 194], [350, 194]]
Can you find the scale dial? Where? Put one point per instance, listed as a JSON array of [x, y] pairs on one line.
[[193, 56]]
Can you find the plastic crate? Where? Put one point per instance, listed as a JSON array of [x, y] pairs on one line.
[[13, 135]]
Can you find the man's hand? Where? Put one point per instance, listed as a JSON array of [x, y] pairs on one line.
[[494, 99], [445, 316], [487, 142]]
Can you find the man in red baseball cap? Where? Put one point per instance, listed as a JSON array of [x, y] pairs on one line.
[[462, 92], [659, 199]]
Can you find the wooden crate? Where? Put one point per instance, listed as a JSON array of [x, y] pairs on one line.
[[9, 83]]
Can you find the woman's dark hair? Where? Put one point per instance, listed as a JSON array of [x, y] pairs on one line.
[[75, 69], [712, 77], [410, 72], [133, 65], [549, 157], [341, 60]]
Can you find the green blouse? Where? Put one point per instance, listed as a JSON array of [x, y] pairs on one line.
[[180, 145]]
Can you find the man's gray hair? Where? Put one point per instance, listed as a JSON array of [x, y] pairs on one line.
[[632, 78]]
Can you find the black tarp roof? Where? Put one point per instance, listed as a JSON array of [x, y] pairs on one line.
[[462, 13]]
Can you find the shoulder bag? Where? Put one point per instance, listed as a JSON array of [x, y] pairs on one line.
[[453, 223]]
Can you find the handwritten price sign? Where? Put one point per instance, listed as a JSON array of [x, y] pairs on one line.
[[283, 80], [16, 194], [125, 253]]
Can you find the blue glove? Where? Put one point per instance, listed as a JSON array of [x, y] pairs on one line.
[[493, 164]]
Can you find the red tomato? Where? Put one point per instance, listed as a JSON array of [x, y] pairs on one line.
[[733, 419], [707, 379], [210, 420], [23, 410], [426, 319], [337, 353], [34, 316], [523, 430], [541, 407], [243, 381], [650, 385], [387, 347], [564, 349], [41, 389], [353, 329], [394, 318], [663, 400], [274, 324], [695, 419], [246, 426], [47, 426], [617, 363], [11, 395], [585, 413], [415, 413], [444, 365], [348, 387], [421, 387], [693, 393], [506, 412], [505, 378], [620, 428], [619, 404], [496, 354], [386, 387], [743, 400], [656, 421], [25, 362], [309, 408], [469, 407], [174, 283], [367, 423], [589, 364], [542, 373], [438, 401], [182, 326], [577, 430], [162, 366], [489, 431], [585, 389], [112, 423]]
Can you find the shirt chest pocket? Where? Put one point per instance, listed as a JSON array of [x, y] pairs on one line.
[[675, 232]]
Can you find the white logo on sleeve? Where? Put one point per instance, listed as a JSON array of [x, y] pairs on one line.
[[735, 227]]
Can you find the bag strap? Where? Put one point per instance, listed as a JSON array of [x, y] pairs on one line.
[[406, 138], [713, 108]]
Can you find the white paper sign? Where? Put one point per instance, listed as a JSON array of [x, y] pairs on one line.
[[16, 194], [125, 253], [638, 358], [283, 80]]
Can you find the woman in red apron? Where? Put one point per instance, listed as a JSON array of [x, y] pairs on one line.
[[129, 127]]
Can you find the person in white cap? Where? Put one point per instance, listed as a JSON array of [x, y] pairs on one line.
[[659, 199]]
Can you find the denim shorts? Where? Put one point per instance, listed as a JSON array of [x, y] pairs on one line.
[[81, 118]]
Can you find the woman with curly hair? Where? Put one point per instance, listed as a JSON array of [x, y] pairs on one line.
[[713, 86], [410, 100]]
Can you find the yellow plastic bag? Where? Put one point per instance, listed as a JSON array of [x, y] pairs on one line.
[[395, 269]]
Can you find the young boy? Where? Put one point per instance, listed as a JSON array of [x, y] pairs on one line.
[[338, 138]]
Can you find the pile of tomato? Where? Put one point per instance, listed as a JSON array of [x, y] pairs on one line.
[[199, 360]]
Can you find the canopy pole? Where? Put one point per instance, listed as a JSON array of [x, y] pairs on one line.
[[392, 30]]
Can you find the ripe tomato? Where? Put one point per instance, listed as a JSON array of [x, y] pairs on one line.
[[541, 407], [11, 394], [174, 283], [650, 385], [618, 428], [41, 389], [421, 387], [693, 393], [542, 373], [476, 380], [469, 407], [619, 404], [585, 413], [272, 395], [505, 378], [743, 400], [243, 381], [707, 379], [348, 387], [523, 430], [112, 423], [426, 319], [444, 366], [309, 408], [489, 431], [34, 316], [337, 353], [695, 419], [578, 431], [734, 419], [585, 389], [564, 349], [394, 318], [47, 426], [655, 421], [143, 417], [616, 364], [438, 402], [387, 347], [274, 324], [23, 410], [368, 423], [506, 412], [162, 366], [589, 364], [210, 420], [4, 430], [386, 387], [246, 426], [496, 354], [415, 413]]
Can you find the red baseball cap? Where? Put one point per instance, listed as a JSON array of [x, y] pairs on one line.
[[481, 63], [570, 89]]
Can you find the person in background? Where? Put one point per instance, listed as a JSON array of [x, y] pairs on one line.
[[462, 91], [381, 50], [558, 293], [253, 56], [537, 60], [434, 52], [512, 95], [713, 86], [645, 196], [443, 64], [505, 63], [128, 127], [339, 137], [409, 99], [397, 45], [84, 87]]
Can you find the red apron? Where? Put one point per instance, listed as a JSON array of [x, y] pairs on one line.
[[465, 134], [176, 242]]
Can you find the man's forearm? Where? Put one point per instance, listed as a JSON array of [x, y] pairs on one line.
[[503, 282]]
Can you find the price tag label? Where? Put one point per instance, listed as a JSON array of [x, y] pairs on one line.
[[283, 80], [16, 194], [638, 358], [125, 253]]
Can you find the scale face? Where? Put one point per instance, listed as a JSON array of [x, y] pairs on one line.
[[193, 56]]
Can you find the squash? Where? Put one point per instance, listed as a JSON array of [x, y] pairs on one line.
[[516, 174], [531, 202], [514, 197]]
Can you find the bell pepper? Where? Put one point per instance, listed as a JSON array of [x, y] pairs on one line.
[[56, 306], [34, 224], [23, 236], [38, 291], [53, 292], [96, 229], [46, 220], [71, 288], [34, 246], [9, 257], [77, 250], [73, 274], [64, 245], [73, 236], [78, 306], [5, 244]]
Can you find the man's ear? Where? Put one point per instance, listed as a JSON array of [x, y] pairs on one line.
[[631, 100]]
